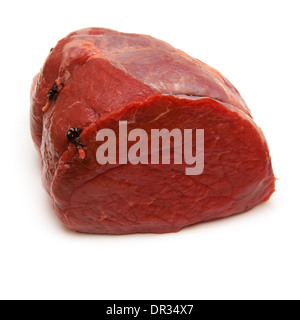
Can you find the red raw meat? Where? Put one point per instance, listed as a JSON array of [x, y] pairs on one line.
[[96, 77]]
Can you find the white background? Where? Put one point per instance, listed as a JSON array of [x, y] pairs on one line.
[[255, 44]]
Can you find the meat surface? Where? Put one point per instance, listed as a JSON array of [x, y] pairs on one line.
[[95, 78]]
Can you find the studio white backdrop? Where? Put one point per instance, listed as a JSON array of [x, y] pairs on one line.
[[255, 255]]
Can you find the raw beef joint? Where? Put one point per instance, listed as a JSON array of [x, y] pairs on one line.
[[97, 78]]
